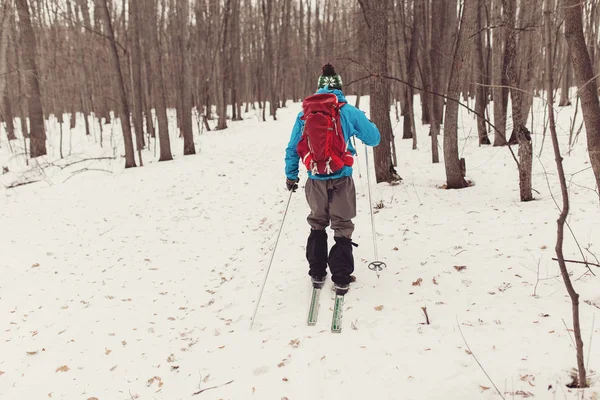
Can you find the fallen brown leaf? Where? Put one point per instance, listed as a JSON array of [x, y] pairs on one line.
[[113, 368], [284, 379], [379, 308], [295, 343], [460, 267], [35, 265], [63, 368], [484, 388], [417, 282], [434, 281], [107, 351], [92, 398], [1, 373], [32, 352]]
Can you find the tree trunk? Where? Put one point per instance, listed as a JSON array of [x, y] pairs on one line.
[[136, 76], [481, 91], [123, 106], [376, 15], [455, 167], [582, 381], [498, 75], [223, 88], [585, 80], [520, 133], [566, 82], [5, 108], [428, 78], [37, 146], [161, 100], [186, 117]]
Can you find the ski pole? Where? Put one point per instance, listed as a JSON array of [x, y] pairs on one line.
[[376, 265], [271, 262]]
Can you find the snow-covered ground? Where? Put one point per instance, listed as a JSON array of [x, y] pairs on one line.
[[141, 283]]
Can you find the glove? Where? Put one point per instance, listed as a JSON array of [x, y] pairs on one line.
[[292, 184]]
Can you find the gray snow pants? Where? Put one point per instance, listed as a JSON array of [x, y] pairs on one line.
[[332, 200]]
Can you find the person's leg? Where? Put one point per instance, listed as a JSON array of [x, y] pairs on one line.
[[342, 208], [318, 219]]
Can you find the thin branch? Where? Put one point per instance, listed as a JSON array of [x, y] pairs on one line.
[[569, 332], [558, 207], [371, 74], [212, 387], [87, 28], [586, 263], [473, 354]]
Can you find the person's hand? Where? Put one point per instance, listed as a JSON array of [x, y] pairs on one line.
[[292, 184]]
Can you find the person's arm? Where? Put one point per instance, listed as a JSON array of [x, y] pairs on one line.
[[365, 129], [291, 155]]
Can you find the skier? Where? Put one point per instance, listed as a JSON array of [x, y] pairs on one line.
[[329, 190]]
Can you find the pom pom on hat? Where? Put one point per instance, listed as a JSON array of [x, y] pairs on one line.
[[329, 79]]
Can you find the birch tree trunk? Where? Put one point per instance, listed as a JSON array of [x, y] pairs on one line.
[[37, 146]]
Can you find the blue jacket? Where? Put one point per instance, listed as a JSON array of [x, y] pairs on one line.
[[354, 123]]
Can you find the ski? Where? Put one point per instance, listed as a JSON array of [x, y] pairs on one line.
[[336, 321], [313, 311]]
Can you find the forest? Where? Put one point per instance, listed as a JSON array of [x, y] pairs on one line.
[[168, 72]]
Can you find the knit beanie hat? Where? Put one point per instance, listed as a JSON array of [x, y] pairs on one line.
[[329, 79]]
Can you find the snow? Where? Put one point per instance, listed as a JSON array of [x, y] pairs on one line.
[[141, 283]]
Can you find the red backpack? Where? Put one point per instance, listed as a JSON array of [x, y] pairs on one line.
[[323, 148]]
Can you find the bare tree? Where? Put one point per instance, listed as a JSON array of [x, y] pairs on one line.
[[520, 133], [482, 95], [455, 166], [123, 105], [186, 79], [156, 72], [34, 98], [585, 80], [582, 381], [566, 81], [428, 77], [135, 63], [5, 107], [499, 82], [375, 12]]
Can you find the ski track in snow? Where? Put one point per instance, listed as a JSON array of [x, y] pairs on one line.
[[143, 282]]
